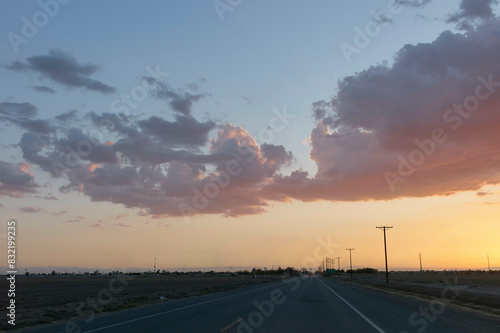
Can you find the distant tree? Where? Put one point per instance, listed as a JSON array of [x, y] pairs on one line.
[[53, 273], [366, 270]]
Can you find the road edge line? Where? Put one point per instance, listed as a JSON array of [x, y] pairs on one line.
[[355, 310]]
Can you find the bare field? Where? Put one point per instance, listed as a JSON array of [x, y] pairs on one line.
[[43, 299], [463, 279], [480, 291]]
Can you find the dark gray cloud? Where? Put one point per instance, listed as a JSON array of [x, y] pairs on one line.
[[275, 157], [21, 115], [32, 145], [18, 110], [184, 131], [32, 125], [67, 116], [471, 10], [180, 101], [88, 150], [43, 89], [63, 68], [15, 180]]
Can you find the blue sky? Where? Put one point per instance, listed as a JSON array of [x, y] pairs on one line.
[[279, 54]]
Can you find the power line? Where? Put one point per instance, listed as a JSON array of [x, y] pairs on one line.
[[465, 185], [385, 248], [350, 259]]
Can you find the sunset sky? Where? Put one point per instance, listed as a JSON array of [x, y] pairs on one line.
[[250, 133]]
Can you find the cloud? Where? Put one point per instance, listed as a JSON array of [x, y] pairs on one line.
[[122, 225], [30, 209], [64, 69], [60, 213], [48, 197], [21, 115], [180, 101], [121, 216], [16, 180], [32, 125], [73, 221], [482, 193], [182, 131], [25, 110], [412, 3], [43, 89], [471, 11], [161, 189], [248, 100], [383, 115], [70, 115]]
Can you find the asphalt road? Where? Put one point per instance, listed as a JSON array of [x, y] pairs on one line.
[[312, 304]]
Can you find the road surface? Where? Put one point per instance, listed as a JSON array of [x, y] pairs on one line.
[[312, 304]]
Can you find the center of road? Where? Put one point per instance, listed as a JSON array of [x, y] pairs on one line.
[[355, 310]]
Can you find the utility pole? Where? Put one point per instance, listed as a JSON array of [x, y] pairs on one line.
[[420, 257], [350, 259], [154, 268], [489, 269], [385, 248], [338, 263]]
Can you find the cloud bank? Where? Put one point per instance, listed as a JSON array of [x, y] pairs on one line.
[[427, 124]]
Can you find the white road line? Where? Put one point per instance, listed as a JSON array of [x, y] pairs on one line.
[[174, 310], [356, 310]]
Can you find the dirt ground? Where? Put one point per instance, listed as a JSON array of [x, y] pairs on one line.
[[480, 291], [44, 299], [470, 279]]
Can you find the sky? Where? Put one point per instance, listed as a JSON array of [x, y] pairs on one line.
[[250, 133]]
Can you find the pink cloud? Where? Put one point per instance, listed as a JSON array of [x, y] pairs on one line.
[[30, 210], [426, 125], [73, 221]]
